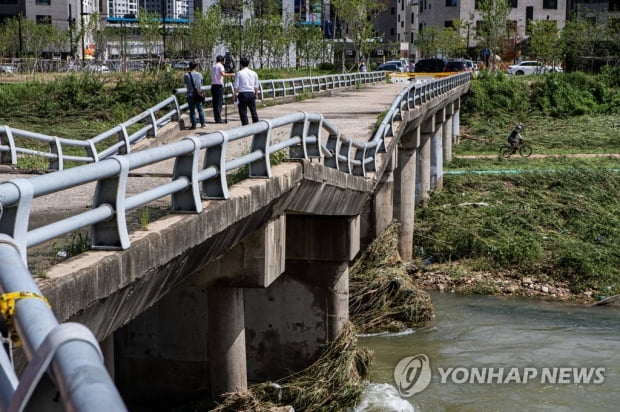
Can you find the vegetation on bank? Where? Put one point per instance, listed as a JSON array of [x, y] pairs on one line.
[[556, 218]]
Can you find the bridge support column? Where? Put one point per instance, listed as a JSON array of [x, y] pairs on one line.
[[456, 122], [226, 341], [423, 186], [405, 188], [383, 205], [308, 305], [437, 151], [447, 133]]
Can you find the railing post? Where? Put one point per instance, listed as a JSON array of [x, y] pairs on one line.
[[217, 187], [56, 162], [123, 136], [6, 139], [261, 141], [112, 234], [14, 219], [186, 166]]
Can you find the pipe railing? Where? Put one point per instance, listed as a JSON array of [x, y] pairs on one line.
[[191, 183], [119, 139], [309, 136]]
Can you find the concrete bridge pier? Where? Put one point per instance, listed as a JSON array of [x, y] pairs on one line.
[[423, 183], [308, 305], [405, 191], [437, 151], [382, 204], [226, 340], [447, 133], [456, 121]]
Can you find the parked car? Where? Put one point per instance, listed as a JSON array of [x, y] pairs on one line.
[[530, 67], [7, 69], [181, 65], [430, 66], [456, 66], [389, 67], [400, 63]]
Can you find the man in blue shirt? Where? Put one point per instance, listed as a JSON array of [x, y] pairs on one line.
[[193, 79]]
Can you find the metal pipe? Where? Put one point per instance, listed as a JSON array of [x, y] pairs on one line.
[[74, 360]]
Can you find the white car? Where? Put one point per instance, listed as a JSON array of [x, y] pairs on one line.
[[531, 67]]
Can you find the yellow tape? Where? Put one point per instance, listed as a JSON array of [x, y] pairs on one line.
[[7, 309]]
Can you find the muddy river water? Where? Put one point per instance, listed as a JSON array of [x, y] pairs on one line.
[[485, 353]]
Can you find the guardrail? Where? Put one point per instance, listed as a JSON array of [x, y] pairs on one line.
[[192, 182], [120, 139], [310, 136]]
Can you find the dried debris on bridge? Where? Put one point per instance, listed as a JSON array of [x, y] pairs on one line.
[[333, 382]]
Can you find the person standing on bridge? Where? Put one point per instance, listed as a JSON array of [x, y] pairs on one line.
[[193, 79], [218, 74], [246, 90]]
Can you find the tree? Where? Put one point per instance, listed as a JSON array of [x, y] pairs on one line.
[[205, 32], [450, 43], [427, 41], [494, 14], [149, 24], [584, 39], [353, 16], [545, 41]]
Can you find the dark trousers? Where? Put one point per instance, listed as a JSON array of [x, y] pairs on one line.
[[247, 100], [217, 96]]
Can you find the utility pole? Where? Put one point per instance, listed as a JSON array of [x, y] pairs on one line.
[[163, 19], [70, 20], [82, 14], [19, 28]]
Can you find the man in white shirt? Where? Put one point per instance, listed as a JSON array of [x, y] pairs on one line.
[[246, 90], [218, 73]]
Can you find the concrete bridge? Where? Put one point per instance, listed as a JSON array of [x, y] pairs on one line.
[[241, 282]]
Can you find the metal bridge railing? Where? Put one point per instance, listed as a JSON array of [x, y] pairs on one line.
[[309, 136], [121, 138]]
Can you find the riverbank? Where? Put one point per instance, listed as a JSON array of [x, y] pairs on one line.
[[454, 278]]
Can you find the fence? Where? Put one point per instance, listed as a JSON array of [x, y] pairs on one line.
[[120, 139]]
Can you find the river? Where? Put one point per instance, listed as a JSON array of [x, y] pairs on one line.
[[556, 347]]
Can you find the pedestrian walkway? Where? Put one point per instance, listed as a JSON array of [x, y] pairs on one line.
[[354, 112]]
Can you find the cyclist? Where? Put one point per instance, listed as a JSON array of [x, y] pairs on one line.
[[515, 138]]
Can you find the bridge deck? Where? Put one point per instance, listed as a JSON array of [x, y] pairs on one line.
[[353, 111]]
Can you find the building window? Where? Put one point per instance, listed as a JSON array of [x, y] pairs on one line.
[[43, 2], [614, 5], [393, 10], [450, 3], [448, 24], [476, 4], [550, 4], [392, 31], [44, 19], [7, 2], [514, 3]]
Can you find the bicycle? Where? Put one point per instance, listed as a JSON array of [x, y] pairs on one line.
[[523, 148]]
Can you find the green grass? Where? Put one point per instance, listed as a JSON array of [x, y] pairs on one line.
[[563, 224], [518, 164], [598, 133]]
